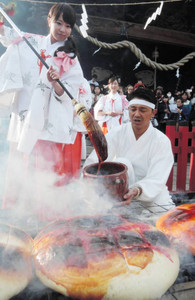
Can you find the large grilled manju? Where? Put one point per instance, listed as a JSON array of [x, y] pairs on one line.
[[105, 257], [15, 261], [179, 225]]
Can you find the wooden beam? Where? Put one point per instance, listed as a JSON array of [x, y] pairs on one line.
[[110, 27]]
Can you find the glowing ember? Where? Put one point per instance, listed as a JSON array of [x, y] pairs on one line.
[[179, 225]]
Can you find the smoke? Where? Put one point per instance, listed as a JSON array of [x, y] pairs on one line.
[[31, 200], [33, 192], [4, 146], [33, 195]]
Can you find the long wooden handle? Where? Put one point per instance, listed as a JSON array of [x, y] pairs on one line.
[[93, 129], [47, 66]]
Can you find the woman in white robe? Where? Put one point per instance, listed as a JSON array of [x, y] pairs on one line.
[[44, 127], [111, 109], [144, 149]]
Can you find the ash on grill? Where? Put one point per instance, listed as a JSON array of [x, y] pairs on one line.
[[183, 198], [187, 268], [187, 260], [184, 286]]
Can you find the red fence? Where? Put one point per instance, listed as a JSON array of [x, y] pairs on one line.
[[182, 177]]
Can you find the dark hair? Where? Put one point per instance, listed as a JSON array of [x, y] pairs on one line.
[[112, 79], [69, 17], [143, 93], [69, 47], [67, 12]]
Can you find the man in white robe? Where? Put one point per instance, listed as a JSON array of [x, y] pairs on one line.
[[144, 149]]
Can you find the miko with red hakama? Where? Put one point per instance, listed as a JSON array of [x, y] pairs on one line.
[[45, 134], [113, 102]]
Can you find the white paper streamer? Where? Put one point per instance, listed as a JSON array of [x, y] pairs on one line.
[[84, 20], [137, 65], [177, 73], [96, 51], [154, 15]]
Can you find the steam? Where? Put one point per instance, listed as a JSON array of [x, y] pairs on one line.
[[34, 199], [38, 199], [4, 146], [31, 191]]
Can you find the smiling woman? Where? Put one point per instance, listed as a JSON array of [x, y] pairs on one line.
[[45, 135], [110, 109], [61, 19]]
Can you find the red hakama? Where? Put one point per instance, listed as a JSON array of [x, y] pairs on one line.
[[60, 159]]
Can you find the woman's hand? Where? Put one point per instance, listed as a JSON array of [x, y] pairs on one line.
[[113, 114], [52, 74]]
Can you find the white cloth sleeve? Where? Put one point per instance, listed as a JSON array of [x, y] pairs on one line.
[[8, 37], [99, 106], [83, 97], [158, 171]]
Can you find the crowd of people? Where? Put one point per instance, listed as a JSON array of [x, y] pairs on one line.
[[177, 106]]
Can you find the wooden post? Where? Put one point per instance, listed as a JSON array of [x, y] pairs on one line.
[[182, 157], [192, 161], [171, 134]]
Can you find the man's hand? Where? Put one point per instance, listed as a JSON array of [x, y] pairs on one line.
[[132, 193]]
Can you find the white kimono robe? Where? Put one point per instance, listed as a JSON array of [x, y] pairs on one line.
[[113, 103], [36, 112], [149, 160]]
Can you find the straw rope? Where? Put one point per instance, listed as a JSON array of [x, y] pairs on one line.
[[138, 53], [127, 44]]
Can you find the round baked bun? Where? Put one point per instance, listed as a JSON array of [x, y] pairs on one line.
[[15, 260], [105, 257], [179, 225]]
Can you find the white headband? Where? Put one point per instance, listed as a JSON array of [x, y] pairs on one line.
[[142, 102]]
